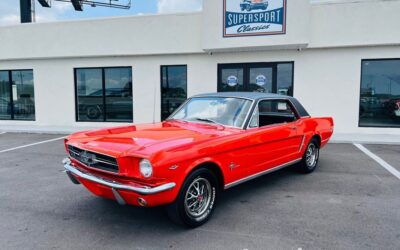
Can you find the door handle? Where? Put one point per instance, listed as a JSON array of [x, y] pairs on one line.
[[293, 127]]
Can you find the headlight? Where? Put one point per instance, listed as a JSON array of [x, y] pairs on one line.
[[146, 169]]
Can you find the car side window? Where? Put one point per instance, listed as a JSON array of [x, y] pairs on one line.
[[270, 112]]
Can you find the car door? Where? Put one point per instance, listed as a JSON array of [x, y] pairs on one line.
[[273, 135]]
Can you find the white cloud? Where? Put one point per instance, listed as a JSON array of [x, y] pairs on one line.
[[9, 19], [170, 6], [9, 12]]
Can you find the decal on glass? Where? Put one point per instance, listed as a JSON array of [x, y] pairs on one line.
[[232, 81]]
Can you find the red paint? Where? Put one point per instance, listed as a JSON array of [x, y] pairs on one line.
[[187, 145]]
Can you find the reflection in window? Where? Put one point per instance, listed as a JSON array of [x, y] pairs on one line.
[[271, 112], [215, 110], [5, 95], [380, 93], [104, 94], [118, 84], [231, 79], [265, 77], [17, 98], [285, 79], [173, 88]]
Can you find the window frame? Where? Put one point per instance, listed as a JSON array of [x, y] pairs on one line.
[[255, 108], [9, 72], [360, 90], [161, 86], [103, 85]]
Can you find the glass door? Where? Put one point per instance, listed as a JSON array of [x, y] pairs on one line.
[[260, 79], [256, 77], [231, 79]]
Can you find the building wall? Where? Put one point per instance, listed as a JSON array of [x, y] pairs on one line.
[[351, 24], [326, 81]]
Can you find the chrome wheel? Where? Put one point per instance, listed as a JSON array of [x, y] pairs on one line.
[[312, 155], [93, 112], [198, 197]]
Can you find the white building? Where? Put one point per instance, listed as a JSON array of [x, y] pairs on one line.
[[340, 59]]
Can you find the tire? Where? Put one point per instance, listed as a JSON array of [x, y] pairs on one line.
[[248, 8], [310, 159], [93, 112], [192, 209]]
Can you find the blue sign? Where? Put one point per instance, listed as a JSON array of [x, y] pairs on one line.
[[232, 81], [261, 80], [254, 17]]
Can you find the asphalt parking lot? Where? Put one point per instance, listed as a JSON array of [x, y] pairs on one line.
[[350, 202]]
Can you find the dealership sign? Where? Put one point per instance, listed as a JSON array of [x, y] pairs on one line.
[[254, 17]]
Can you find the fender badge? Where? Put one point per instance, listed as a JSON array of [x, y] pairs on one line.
[[173, 167], [232, 166]]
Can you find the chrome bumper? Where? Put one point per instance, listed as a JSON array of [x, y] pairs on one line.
[[144, 190]]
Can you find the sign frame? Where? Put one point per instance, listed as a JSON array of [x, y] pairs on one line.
[[225, 35]]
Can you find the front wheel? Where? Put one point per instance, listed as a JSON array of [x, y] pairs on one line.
[[309, 162], [196, 199]]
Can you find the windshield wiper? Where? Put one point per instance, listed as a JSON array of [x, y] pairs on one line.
[[208, 120]]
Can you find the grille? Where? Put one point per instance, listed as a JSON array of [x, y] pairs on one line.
[[94, 160]]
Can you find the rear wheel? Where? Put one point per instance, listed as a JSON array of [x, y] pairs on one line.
[[310, 158], [196, 199], [93, 112]]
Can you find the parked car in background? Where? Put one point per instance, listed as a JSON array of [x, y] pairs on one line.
[[5, 107], [118, 101], [250, 5], [211, 143], [393, 107]]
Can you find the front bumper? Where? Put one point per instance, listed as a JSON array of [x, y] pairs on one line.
[[116, 187]]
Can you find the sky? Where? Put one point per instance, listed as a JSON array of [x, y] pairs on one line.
[[9, 10]]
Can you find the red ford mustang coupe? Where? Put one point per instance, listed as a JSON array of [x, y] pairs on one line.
[[211, 143]]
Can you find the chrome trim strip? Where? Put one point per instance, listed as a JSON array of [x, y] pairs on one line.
[[106, 162], [251, 177], [302, 143], [96, 160], [145, 190]]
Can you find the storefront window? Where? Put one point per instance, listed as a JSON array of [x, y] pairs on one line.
[[380, 93], [17, 98], [173, 88], [5, 95], [104, 94]]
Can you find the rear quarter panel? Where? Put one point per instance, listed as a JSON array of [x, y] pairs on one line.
[[321, 126]]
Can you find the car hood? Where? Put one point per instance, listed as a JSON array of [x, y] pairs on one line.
[[146, 139]]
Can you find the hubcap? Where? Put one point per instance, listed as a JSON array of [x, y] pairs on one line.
[[312, 155], [198, 197], [92, 112]]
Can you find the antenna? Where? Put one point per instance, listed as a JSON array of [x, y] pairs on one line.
[[27, 7], [78, 4]]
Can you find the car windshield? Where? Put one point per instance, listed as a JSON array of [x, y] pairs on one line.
[[224, 111]]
